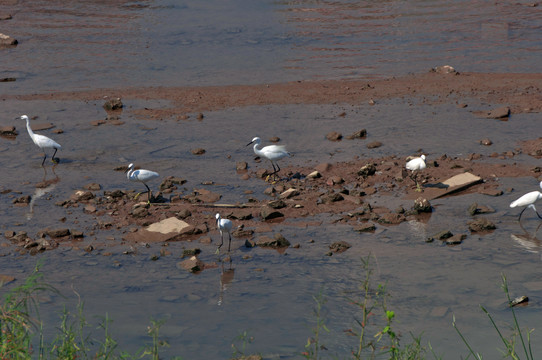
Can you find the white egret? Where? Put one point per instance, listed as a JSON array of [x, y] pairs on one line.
[[141, 176], [273, 153], [528, 201], [415, 165], [42, 141], [223, 225]]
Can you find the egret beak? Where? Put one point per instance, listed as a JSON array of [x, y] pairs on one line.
[[250, 143]]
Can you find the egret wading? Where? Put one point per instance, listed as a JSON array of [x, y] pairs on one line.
[[528, 201], [223, 225], [416, 165], [273, 153], [42, 141], [142, 176]]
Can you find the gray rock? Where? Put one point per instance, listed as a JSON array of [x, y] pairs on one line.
[[358, 135], [481, 224], [113, 104], [339, 247], [367, 170], [334, 136], [455, 239], [422, 205], [268, 213], [367, 227], [277, 204], [57, 233], [499, 113]]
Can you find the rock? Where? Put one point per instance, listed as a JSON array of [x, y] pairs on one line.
[[339, 247], [422, 205], [290, 193], [323, 167], [90, 209], [241, 165], [455, 239], [367, 170], [499, 113], [241, 214], [362, 134], [25, 199], [334, 136], [331, 198], [391, 218], [486, 142], [113, 104], [274, 139], [374, 145], [278, 241], [268, 213], [367, 227], [167, 226], [519, 300], [444, 69], [115, 193], [92, 187], [314, 175], [204, 196], [190, 252], [481, 224], [81, 195], [8, 131], [170, 182], [6, 279], [183, 214], [192, 265], [276, 204], [334, 180], [57, 233], [77, 233], [140, 212], [198, 151], [443, 235], [6, 40]]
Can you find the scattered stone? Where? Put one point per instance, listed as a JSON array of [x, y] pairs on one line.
[[183, 214], [362, 134], [334, 136], [193, 265], [374, 145], [77, 234], [367, 170], [274, 139], [519, 300], [455, 239], [198, 151], [58, 233], [278, 241], [367, 227], [331, 198], [268, 213], [6, 40], [323, 167], [8, 131], [422, 205], [6, 279], [140, 212], [25, 199], [200, 116], [290, 193], [242, 214], [113, 104], [190, 252], [334, 180], [486, 142], [391, 218], [90, 209], [314, 175], [499, 113], [481, 224], [81, 195], [170, 182], [92, 187], [443, 235], [444, 69], [491, 192], [339, 247], [276, 204], [241, 166]]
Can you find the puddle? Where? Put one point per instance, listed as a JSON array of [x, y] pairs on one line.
[[103, 44]]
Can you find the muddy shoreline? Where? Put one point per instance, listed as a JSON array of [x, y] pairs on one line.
[[340, 188]]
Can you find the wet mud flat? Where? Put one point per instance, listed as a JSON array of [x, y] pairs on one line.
[[339, 196]]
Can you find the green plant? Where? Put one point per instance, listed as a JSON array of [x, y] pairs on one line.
[[313, 344], [245, 338], [509, 343]]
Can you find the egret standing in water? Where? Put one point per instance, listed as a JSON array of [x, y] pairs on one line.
[[528, 201], [141, 176], [42, 141], [415, 165], [223, 225], [273, 153]]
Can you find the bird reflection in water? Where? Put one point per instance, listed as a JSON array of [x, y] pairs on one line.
[[45, 186], [529, 242], [226, 277]]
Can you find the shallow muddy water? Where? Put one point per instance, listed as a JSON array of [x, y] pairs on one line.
[[115, 44]]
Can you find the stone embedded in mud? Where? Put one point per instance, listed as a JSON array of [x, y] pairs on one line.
[[481, 224], [291, 192], [198, 151], [169, 225], [444, 69], [334, 180], [93, 187], [139, 212], [183, 214], [268, 213], [339, 247], [443, 235], [81, 195], [6, 40], [374, 145], [391, 218], [278, 241], [331, 198], [113, 104], [499, 113], [57, 233], [115, 193], [334, 136], [314, 175], [367, 227], [362, 134], [486, 142], [323, 167], [170, 182], [455, 239], [241, 214], [192, 265], [367, 170], [25, 199], [241, 165], [276, 204], [422, 205], [190, 252], [8, 131]]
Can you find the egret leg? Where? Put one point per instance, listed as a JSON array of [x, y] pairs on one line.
[[521, 213], [534, 209], [221, 243], [149, 192], [44, 157], [53, 159], [229, 244]]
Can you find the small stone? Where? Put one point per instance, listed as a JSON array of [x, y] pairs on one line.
[[486, 142], [339, 247], [268, 213], [368, 227], [241, 165], [22, 200], [57, 233], [8, 131], [444, 69], [331, 198], [113, 104], [6, 40], [140, 212], [192, 265], [198, 151], [183, 214], [276, 204], [422, 205], [334, 136], [290, 193], [81, 195], [334, 180], [374, 145], [367, 170], [481, 224], [93, 187], [455, 239], [499, 113], [323, 167], [361, 134], [314, 175]]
